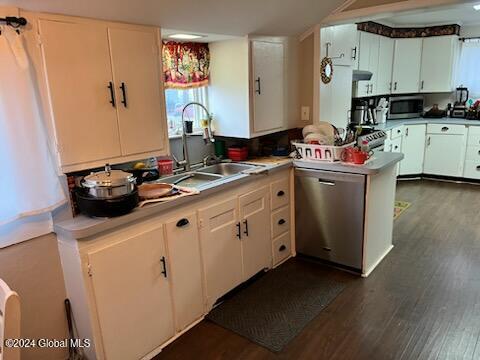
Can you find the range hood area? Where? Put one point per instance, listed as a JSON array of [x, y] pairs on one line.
[[361, 75]]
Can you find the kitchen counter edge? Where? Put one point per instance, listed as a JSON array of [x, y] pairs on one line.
[[83, 226]]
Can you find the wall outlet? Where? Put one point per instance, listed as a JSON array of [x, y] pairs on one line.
[[305, 113]]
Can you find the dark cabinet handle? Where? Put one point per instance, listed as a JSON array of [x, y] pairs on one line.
[[164, 264], [395, 85], [478, 152], [239, 231], [246, 227], [124, 94], [112, 93], [354, 53], [421, 84], [280, 193], [478, 168], [259, 86], [399, 131], [282, 248], [444, 128], [182, 222], [281, 221]]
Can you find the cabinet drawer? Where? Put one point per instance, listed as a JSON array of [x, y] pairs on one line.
[[473, 140], [281, 248], [396, 132], [280, 193], [447, 129], [472, 169], [280, 221], [473, 153], [474, 130]]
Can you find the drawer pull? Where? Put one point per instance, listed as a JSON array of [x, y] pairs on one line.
[[182, 222], [282, 248], [281, 221], [280, 193], [327, 249], [478, 167], [444, 128], [399, 131]]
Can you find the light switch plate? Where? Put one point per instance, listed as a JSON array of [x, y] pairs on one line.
[[305, 113]]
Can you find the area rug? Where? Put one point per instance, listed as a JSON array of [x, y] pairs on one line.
[[400, 207], [276, 307]]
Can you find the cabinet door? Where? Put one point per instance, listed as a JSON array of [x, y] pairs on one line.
[[385, 66], [406, 65], [396, 146], [368, 61], [132, 295], [413, 148], [141, 116], [267, 83], [221, 248], [438, 58], [444, 155], [344, 41], [256, 239], [185, 268], [78, 71]]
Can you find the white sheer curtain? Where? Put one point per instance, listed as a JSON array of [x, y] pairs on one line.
[[469, 67], [29, 184]]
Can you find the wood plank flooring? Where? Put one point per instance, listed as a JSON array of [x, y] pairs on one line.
[[422, 302]]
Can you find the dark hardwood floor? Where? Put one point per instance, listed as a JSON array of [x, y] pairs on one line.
[[422, 301]]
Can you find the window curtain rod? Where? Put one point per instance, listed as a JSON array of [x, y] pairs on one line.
[[14, 21]]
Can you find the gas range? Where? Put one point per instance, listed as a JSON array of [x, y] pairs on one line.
[[375, 140]]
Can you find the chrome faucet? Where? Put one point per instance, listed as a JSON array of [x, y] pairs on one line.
[[186, 159]]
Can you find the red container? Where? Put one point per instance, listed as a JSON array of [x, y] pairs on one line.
[[238, 153], [165, 166]]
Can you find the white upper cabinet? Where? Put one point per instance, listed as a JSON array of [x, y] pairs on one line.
[[406, 66], [268, 86], [385, 66], [247, 93], [77, 65], [342, 44], [439, 55], [368, 61], [105, 90], [136, 74]]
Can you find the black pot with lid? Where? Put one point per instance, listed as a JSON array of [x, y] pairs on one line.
[[107, 193]]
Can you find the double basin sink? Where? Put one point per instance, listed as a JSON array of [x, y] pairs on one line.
[[206, 175]]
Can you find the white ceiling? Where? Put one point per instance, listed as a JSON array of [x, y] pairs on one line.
[[463, 14], [229, 17]]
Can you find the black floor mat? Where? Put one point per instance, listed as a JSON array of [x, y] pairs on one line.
[[275, 308]]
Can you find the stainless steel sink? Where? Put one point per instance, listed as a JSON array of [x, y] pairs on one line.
[[225, 169], [191, 179]]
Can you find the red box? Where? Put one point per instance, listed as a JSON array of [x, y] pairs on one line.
[[238, 153]]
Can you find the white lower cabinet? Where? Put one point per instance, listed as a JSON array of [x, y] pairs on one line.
[[135, 288], [472, 155], [185, 268], [255, 237], [413, 148], [132, 295], [221, 248], [444, 155]]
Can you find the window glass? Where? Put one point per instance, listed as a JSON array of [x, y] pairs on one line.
[[176, 99]]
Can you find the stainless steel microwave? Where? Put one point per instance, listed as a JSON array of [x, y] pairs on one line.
[[405, 107]]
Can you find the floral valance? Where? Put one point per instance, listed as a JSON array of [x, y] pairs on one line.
[[185, 65]]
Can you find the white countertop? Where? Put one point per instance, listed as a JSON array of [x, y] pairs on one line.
[[390, 124], [379, 161], [83, 226]]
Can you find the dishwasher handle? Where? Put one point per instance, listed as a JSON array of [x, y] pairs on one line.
[[326, 182]]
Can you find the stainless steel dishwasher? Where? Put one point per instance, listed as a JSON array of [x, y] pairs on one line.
[[329, 216]]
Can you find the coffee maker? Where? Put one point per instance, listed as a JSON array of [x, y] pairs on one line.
[[460, 107], [363, 113]]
